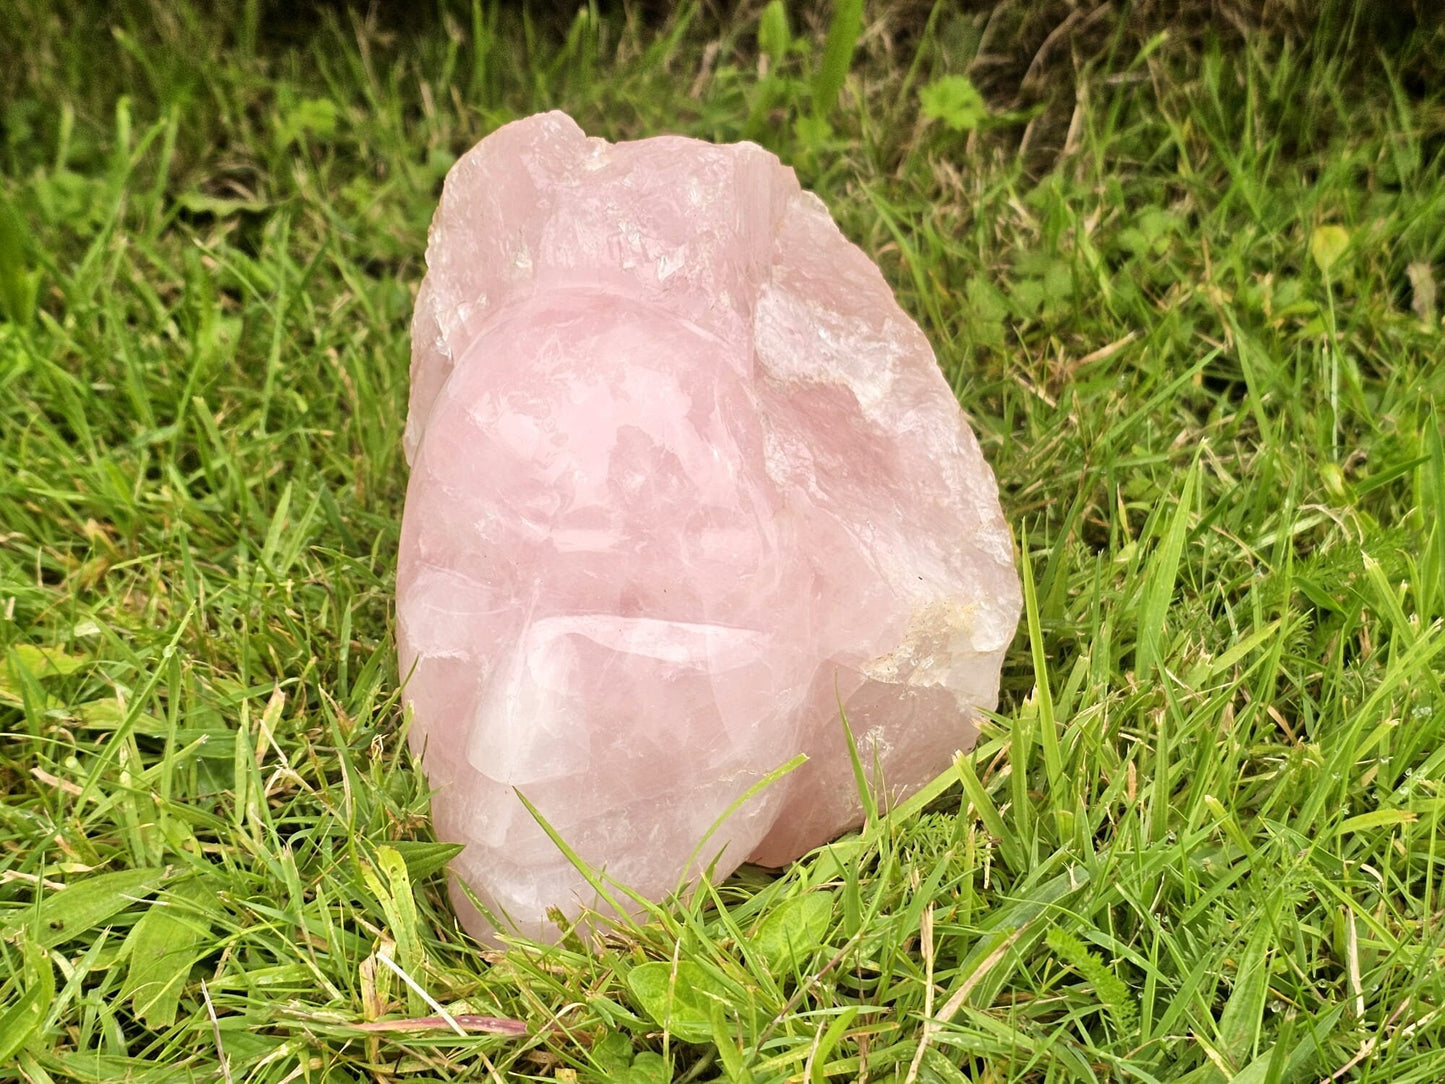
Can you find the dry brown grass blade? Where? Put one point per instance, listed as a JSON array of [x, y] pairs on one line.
[[488, 1025]]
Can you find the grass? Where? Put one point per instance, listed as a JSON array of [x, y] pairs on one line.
[[1199, 842]]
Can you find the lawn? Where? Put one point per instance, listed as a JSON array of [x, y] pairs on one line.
[[1180, 264]]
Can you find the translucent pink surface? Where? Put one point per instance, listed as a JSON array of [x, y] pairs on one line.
[[684, 478]]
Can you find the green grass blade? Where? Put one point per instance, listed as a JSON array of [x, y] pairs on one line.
[[844, 29], [1160, 581]]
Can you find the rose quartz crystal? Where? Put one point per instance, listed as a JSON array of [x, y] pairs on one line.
[[685, 479]]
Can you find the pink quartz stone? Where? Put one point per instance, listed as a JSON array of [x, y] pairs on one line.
[[685, 478]]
